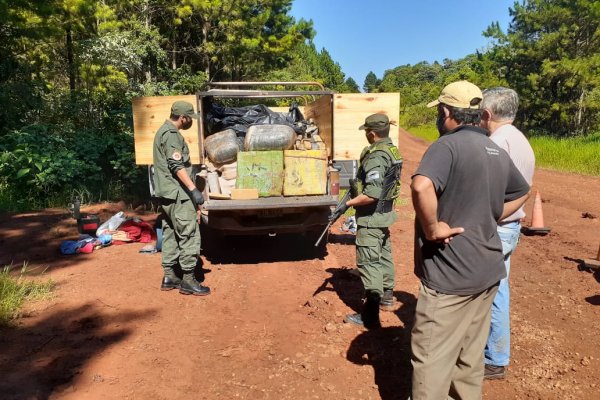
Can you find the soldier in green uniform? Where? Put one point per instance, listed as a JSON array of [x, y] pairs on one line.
[[374, 192], [179, 201]]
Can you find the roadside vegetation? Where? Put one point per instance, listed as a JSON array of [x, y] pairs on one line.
[[70, 69], [580, 154], [15, 289]]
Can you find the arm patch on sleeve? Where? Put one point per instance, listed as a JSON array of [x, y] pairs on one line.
[[372, 176], [176, 156]]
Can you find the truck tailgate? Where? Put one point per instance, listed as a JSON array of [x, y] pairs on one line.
[[271, 202]]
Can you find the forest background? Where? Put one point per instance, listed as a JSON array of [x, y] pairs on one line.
[[69, 69]]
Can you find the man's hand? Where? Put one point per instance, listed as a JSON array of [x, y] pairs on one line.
[[442, 233], [197, 197], [339, 211]]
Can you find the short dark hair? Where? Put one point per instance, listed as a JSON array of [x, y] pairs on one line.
[[465, 116], [174, 117], [381, 132]]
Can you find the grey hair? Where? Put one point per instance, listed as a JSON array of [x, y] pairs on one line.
[[503, 102]]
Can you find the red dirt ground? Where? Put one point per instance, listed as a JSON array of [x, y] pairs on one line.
[[272, 328]]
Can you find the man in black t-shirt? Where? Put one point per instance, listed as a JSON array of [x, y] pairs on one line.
[[464, 184]]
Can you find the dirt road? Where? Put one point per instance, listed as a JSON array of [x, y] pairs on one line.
[[272, 329]]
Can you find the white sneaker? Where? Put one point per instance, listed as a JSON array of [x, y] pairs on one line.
[[349, 225]]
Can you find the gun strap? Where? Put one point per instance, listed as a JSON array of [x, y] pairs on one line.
[[384, 206]]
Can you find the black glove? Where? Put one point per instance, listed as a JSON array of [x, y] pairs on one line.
[[339, 211], [197, 197]]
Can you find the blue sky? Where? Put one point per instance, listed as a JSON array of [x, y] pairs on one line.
[[376, 35]]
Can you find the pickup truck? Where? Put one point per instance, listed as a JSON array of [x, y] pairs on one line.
[[337, 117]]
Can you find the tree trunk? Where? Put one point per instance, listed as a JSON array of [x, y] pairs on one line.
[[174, 58], [580, 110], [146, 13], [205, 28], [70, 58]]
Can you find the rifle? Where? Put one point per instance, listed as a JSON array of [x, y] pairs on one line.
[[340, 209]]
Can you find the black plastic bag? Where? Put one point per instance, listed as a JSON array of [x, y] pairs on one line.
[[219, 118]]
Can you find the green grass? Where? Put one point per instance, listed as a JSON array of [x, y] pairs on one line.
[[577, 154], [16, 289], [427, 132]]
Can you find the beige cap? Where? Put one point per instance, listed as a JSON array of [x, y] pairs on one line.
[[461, 94]]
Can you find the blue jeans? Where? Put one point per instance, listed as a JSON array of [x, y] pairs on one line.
[[497, 349]]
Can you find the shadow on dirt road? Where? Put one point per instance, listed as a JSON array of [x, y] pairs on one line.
[[57, 349], [387, 350]]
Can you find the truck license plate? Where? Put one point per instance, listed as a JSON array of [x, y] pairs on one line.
[[270, 213]]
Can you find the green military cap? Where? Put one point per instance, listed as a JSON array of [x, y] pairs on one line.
[[184, 108], [376, 121]]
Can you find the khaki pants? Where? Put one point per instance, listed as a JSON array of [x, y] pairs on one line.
[[181, 234], [374, 259], [447, 344]]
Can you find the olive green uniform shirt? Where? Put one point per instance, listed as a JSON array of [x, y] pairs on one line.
[[170, 154], [371, 173]]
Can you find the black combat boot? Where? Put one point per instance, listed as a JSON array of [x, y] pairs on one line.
[[170, 281], [369, 317], [388, 302], [189, 285]]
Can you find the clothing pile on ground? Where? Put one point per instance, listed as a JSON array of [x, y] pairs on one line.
[[84, 244], [117, 230]]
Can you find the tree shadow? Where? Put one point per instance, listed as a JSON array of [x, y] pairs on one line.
[[34, 238], [43, 359], [386, 349]]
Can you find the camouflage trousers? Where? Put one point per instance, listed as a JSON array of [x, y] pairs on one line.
[[181, 234], [374, 259]]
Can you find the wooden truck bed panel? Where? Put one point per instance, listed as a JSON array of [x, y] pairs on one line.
[[350, 111], [149, 113]]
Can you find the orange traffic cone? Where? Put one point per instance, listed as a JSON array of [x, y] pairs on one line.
[[593, 263], [537, 219]]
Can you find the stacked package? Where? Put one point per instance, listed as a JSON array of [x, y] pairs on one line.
[[276, 153]]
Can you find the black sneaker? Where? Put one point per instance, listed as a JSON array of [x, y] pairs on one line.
[[494, 372]]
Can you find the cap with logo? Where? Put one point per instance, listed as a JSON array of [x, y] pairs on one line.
[[184, 108], [376, 121], [461, 94]]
